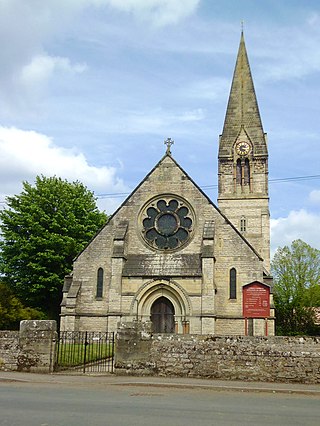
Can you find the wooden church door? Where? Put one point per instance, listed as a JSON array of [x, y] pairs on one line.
[[162, 316]]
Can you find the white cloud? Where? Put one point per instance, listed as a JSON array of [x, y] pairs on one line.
[[43, 66], [160, 12], [314, 196], [314, 20], [154, 121], [212, 89], [35, 76], [287, 56], [25, 29], [26, 154], [197, 114], [29, 28], [299, 224]]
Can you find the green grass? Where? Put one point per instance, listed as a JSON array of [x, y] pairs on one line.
[[73, 354]]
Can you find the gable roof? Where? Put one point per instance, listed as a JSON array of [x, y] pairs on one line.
[[168, 155]]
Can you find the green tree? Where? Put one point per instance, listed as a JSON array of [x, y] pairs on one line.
[[43, 228], [296, 272], [12, 310]]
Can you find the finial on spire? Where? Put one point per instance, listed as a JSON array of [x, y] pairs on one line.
[[168, 142], [242, 25]]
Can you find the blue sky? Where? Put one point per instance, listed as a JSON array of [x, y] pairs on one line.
[[89, 90]]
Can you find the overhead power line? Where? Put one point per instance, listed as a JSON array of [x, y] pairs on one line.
[[207, 187], [278, 180], [296, 178]]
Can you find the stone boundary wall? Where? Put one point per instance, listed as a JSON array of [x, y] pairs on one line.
[[272, 359], [33, 348], [9, 350]]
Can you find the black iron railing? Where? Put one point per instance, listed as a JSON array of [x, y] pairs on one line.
[[85, 351]]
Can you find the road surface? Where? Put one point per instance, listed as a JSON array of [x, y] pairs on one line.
[[66, 404]]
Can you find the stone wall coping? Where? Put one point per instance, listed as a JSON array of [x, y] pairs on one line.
[[38, 325]]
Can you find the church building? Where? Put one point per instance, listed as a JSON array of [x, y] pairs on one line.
[[169, 255]]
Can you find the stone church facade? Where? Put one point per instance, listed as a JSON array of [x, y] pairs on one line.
[[171, 256]]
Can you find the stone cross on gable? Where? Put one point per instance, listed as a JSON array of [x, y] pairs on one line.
[[168, 142]]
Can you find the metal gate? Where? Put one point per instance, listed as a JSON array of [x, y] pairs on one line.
[[85, 351]]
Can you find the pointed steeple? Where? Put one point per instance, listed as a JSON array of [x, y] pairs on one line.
[[242, 112], [243, 161]]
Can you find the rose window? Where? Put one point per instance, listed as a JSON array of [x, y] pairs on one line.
[[167, 224]]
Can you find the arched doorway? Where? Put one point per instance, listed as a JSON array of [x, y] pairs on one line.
[[162, 316]]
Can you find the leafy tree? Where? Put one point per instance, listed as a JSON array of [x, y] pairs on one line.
[[296, 272], [12, 311], [43, 228]]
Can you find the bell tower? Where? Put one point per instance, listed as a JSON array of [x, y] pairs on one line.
[[243, 162]]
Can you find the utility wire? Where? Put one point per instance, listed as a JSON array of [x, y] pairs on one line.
[[206, 187], [278, 180]]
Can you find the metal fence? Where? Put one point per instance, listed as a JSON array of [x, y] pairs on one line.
[[85, 351]]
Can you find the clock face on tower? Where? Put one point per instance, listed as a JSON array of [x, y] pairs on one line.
[[242, 148]]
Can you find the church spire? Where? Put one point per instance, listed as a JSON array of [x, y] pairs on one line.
[[242, 111], [243, 161]]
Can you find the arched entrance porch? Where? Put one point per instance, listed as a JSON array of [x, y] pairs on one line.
[[165, 303]]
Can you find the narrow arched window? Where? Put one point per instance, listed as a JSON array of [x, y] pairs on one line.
[[233, 283], [99, 283], [243, 224], [246, 172], [239, 172]]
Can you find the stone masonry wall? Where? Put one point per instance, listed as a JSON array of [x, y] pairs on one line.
[[33, 348], [9, 350], [273, 359], [195, 278]]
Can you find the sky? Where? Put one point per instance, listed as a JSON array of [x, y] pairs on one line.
[[90, 89]]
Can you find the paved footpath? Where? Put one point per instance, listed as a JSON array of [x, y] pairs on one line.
[[96, 380]]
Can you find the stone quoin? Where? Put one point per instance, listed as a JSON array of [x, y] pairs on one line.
[[169, 255]]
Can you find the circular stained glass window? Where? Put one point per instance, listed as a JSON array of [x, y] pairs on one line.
[[167, 223]]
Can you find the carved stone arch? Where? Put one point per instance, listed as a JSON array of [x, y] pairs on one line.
[[150, 291], [243, 135]]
